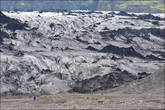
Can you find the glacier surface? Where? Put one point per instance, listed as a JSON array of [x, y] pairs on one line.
[[67, 51]]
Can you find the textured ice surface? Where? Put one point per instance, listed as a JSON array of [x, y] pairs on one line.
[[58, 49]]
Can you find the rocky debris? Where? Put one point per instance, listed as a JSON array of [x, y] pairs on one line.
[[152, 84], [85, 101], [102, 100], [143, 75], [107, 81]]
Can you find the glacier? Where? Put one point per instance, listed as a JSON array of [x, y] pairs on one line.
[[50, 52]]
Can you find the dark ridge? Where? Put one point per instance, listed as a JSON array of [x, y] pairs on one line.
[[127, 32], [46, 71], [121, 51], [2, 36], [105, 28], [130, 33], [97, 43], [9, 47], [149, 16], [70, 13], [143, 74], [13, 35], [15, 26], [33, 29], [3, 18], [82, 41], [12, 24], [114, 58], [162, 54], [155, 23], [153, 57], [123, 13], [157, 32], [91, 48], [19, 53], [55, 37], [89, 12], [107, 81]]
